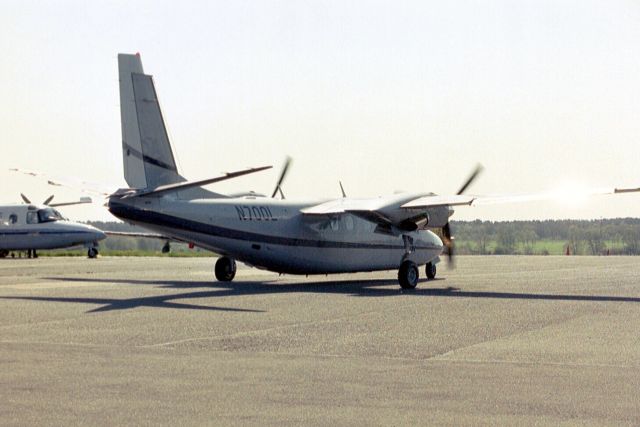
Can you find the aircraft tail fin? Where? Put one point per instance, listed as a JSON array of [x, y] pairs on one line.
[[148, 158]]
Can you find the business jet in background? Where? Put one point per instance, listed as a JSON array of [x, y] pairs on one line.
[[31, 227]]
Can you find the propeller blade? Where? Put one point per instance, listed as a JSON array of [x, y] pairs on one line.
[[446, 232], [283, 174], [471, 178], [46, 202], [342, 189], [26, 200], [449, 243]]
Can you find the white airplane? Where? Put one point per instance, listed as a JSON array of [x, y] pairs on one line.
[[31, 227], [284, 236]]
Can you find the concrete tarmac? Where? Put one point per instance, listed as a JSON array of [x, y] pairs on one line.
[[148, 341]]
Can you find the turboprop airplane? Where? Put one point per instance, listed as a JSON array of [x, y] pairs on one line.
[[284, 236], [31, 227]]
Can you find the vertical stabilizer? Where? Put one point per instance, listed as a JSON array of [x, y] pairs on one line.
[[146, 150]]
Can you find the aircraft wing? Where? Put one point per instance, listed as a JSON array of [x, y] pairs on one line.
[[338, 206], [384, 211], [93, 188], [409, 211], [434, 201], [561, 194]]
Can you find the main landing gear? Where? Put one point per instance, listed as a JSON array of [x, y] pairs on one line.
[[408, 274], [225, 269]]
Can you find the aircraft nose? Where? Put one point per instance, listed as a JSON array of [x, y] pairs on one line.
[[99, 235], [438, 241]]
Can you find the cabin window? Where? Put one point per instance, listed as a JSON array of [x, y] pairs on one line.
[[335, 224], [13, 218], [348, 221], [32, 217]]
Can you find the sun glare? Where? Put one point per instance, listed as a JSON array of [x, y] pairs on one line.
[[571, 194]]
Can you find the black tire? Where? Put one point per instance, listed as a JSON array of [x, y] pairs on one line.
[[3, 253], [225, 269], [408, 275], [430, 270], [92, 253]]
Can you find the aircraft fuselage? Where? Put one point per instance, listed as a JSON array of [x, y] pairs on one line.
[[23, 227], [275, 235]]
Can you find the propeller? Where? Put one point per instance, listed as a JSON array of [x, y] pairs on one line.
[[471, 178], [342, 189], [447, 234], [448, 241], [27, 201], [283, 174], [47, 202]]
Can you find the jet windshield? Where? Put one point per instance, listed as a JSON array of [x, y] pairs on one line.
[[49, 215]]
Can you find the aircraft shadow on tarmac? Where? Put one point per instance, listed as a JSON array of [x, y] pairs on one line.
[[358, 288]]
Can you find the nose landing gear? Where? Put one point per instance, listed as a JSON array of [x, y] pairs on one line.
[[430, 270]]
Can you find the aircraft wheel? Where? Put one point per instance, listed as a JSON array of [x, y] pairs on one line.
[[3, 253], [408, 275], [92, 253], [430, 269], [225, 269]]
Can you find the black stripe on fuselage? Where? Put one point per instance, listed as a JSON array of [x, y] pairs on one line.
[[25, 232], [164, 220]]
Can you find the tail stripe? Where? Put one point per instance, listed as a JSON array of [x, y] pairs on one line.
[[148, 159]]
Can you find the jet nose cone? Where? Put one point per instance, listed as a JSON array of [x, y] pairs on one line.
[[96, 233], [99, 235]]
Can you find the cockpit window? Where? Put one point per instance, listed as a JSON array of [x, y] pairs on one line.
[[13, 218], [49, 215]]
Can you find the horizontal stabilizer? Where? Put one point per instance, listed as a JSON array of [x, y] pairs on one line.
[[82, 200], [171, 188]]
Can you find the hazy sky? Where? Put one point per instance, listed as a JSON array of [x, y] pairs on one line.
[[384, 96]]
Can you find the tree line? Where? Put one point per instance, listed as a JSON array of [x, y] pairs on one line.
[[619, 236]]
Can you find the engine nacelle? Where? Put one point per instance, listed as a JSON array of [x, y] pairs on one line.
[[438, 217]]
